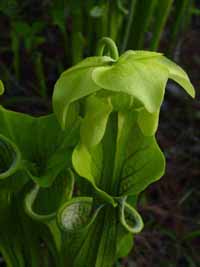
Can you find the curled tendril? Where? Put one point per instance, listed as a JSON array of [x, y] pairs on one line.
[[121, 7], [129, 217], [29, 202], [78, 214], [32, 195], [105, 41], [48, 219]]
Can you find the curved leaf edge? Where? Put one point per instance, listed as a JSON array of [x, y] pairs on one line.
[[13, 150], [82, 223]]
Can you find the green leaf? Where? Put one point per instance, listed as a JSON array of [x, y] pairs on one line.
[[177, 74], [11, 166], [144, 164], [124, 244], [96, 245], [42, 204], [2, 89], [135, 74], [107, 246], [94, 123], [90, 62], [136, 155], [44, 153], [88, 164], [141, 74], [138, 160], [121, 101], [18, 241], [10, 157], [117, 151], [126, 119], [148, 122], [161, 13], [75, 84]]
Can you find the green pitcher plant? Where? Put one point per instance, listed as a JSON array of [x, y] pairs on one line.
[[117, 154], [70, 180], [34, 169]]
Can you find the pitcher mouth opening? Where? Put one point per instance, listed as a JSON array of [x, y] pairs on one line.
[[9, 157]]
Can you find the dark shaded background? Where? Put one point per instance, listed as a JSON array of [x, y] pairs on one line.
[[171, 237]]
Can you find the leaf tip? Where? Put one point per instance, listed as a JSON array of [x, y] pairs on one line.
[[2, 88]]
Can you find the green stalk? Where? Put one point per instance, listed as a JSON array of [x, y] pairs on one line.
[[115, 21], [32, 249], [16, 58], [39, 70], [65, 41], [142, 21], [162, 13], [63, 31], [7, 255], [182, 9], [105, 21], [89, 25], [129, 25], [77, 36], [189, 14]]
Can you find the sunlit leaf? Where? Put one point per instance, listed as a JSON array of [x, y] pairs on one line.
[[75, 84], [136, 75], [148, 122], [177, 74], [88, 164], [94, 123]]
